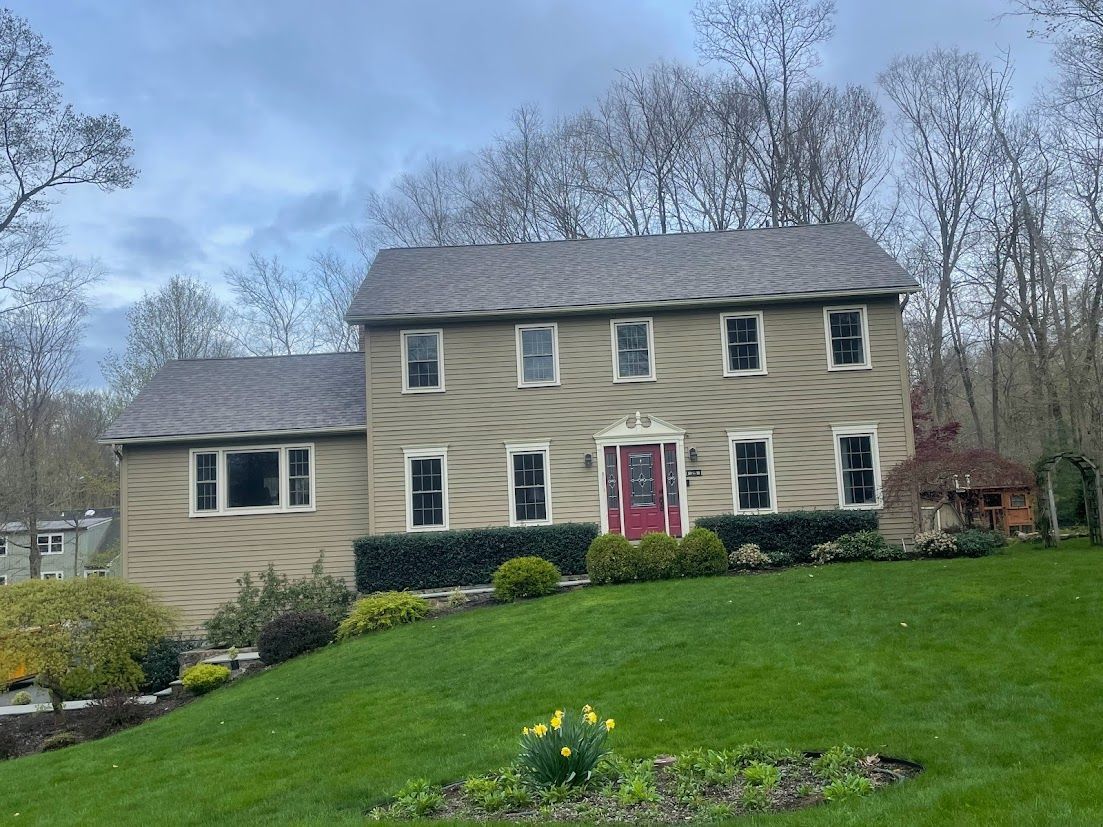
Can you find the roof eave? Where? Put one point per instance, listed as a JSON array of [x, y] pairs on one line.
[[277, 434], [353, 318]]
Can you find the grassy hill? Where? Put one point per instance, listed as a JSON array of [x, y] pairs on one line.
[[995, 684]]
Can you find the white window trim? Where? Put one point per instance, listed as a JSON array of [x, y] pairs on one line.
[[221, 480], [617, 378], [766, 436], [49, 543], [439, 332], [427, 452], [870, 430], [519, 329], [57, 575], [95, 573], [529, 448], [724, 353], [860, 308], [3, 546]]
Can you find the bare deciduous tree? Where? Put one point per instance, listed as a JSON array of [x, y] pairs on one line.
[[275, 312]]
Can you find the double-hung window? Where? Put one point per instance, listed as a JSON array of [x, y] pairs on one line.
[[752, 466], [633, 350], [744, 344], [252, 480], [847, 332], [3, 546], [422, 361], [426, 488], [537, 355], [529, 484], [52, 575], [51, 543], [858, 466]]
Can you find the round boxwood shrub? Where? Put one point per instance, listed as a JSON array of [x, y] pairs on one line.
[[610, 559], [203, 677], [21, 698], [656, 557], [701, 553], [382, 610], [525, 577], [861, 545], [977, 542], [294, 633]]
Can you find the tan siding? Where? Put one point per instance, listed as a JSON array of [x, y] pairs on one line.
[[483, 409], [192, 562]]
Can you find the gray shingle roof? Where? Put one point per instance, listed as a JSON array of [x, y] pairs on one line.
[[422, 282], [319, 391]]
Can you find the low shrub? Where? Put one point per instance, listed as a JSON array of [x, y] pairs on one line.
[[115, 710], [425, 560], [525, 577], [21, 698], [825, 552], [976, 542], [382, 610], [258, 603], [161, 664], [936, 544], [862, 545], [61, 740], [204, 677], [788, 537], [655, 558], [80, 684], [294, 633], [701, 553], [565, 751], [610, 559], [749, 556], [9, 745]]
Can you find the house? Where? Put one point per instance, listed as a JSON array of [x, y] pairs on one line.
[[638, 383], [77, 543]]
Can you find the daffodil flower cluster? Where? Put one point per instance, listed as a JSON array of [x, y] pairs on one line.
[[566, 749]]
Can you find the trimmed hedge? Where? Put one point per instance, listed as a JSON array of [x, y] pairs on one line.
[[464, 558], [788, 537]]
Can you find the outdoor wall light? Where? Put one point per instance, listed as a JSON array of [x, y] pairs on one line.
[[693, 455], [588, 460]]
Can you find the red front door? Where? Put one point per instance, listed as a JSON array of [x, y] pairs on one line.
[[642, 490]]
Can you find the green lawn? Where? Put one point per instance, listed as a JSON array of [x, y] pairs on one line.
[[995, 684]]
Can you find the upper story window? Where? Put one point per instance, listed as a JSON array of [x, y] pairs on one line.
[[633, 350], [847, 332], [858, 466], [426, 488], [752, 464], [51, 543], [537, 355], [3, 546], [529, 484], [1018, 500], [422, 361], [52, 575], [252, 480], [744, 344]]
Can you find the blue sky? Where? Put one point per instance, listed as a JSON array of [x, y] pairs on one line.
[[262, 125]]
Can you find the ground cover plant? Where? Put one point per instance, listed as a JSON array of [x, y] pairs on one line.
[[985, 671]]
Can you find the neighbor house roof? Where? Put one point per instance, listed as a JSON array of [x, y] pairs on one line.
[[634, 271], [56, 524], [255, 395]]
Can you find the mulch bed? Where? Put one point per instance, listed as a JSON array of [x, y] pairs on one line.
[[25, 734]]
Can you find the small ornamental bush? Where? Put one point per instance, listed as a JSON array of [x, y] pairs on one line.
[[525, 577], [861, 545], [204, 677], [21, 698], [977, 542], [701, 553], [294, 633], [382, 610], [610, 559], [565, 751], [936, 544], [161, 664], [61, 740], [656, 557], [825, 552], [748, 556]]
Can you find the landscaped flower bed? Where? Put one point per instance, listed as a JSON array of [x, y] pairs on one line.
[[564, 772]]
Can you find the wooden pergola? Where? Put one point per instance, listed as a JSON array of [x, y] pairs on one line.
[[1093, 496]]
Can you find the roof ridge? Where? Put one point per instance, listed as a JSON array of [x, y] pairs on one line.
[[270, 356]]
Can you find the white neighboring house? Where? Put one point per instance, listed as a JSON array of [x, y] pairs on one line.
[[80, 543]]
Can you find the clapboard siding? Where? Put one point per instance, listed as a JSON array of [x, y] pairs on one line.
[[193, 562], [483, 409]]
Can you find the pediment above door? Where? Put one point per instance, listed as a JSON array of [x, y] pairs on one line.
[[639, 427]]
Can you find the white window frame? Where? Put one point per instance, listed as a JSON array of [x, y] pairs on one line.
[[767, 436], [50, 535], [3, 546], [425, 452], [725, 353], [222, 481], [95, 573], [847, 308], [649, 321], [51, 575], [529, 448], [518, 331], [870, 430], [439, 333]]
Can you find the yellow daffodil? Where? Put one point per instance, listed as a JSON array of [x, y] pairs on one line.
[[540, 730], [556, 722], [559, 713], [609, 724], [586, 710], [565, 752], [524, 730], [591, 717]]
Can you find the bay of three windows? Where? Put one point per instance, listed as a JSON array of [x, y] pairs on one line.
[[633, 349], [257, 479]]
